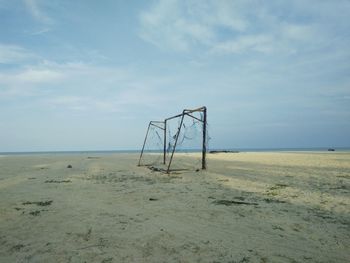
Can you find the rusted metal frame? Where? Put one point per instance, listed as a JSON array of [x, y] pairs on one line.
[[204, 145], [164, 146], [164, 129], [204, 121], [173, 117], [157, 121], [151, 123], [144, 143], [177, 137], [157, 126], [186, 111], [194, 117], [194, 110]]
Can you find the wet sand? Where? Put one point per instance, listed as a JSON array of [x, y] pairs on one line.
[[246, 207]]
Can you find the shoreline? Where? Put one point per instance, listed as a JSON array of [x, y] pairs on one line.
[[211, 151]]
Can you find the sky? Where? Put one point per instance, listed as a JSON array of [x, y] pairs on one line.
[[90, 75]]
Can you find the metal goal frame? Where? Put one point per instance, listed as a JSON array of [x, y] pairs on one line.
[[163, 126]]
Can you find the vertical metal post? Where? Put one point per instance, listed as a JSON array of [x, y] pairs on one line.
[[177, 137], [144, 143], [164, 150], [204, 146]]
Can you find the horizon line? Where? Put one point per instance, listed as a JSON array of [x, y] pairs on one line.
[[181, 150]]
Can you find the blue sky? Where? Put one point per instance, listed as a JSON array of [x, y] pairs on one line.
[[89, 75]]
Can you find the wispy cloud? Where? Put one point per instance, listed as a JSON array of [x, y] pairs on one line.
[[167, 26], [40, 31], [240, 26], [39, 76], [82, 104], [34, 9], [258, 43], [182, 26], [27, 82], [10, 54], [287, 38], [37, 11], [83, 87], [33, 75], [176, 33]]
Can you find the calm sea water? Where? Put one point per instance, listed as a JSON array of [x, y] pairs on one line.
[[318, 149]]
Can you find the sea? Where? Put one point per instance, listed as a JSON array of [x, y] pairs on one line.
[[314, 149]]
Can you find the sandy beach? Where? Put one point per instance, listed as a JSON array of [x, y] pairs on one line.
[[246, 207]]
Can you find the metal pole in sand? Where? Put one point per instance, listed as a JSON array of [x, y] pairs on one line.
[[144, 143], [177, 137]]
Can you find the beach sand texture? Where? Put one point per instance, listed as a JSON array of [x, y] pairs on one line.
[[247, 207]]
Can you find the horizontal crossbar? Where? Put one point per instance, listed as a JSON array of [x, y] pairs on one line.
[[187, 111]]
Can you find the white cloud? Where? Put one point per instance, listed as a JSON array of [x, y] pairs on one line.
[[239, 26], [83, 87], [285, 38], [51, 72], [182, 25], [298, 32], [39, 76], [27, 82], [259, 43], [10, 54], [36, 9], [33, 7], [163, 26], [40, 31], [120, 100], [30, 76], [82, 103]]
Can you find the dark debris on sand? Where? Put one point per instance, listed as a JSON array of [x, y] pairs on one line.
[[232, 202], [40, 203], [35, 213], [58, 181]]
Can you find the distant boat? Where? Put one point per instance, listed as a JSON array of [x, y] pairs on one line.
[[331, 150]]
